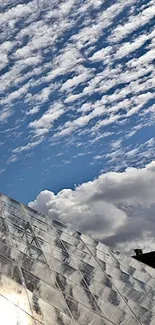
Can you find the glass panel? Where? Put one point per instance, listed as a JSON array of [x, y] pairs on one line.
[[46, 292], [12, 315], [83, 315], [10, 269], [7, 251], [15, 293], [45, 313], [28, 249], [66, 270], [68, 274], [37, 268]]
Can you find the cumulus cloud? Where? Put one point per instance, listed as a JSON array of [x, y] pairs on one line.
[[117, 207]]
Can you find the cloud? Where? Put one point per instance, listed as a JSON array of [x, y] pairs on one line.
[[134, 23], [28, 146], [2, 170], [5, 48], [75, 81], [117, 207], [128, 47], [33, 111], [78, 73], [16, 12], [44, 123]]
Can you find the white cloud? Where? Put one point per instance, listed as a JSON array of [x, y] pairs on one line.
[[66, 7], [72, 98], [89, 34], [43, 96], [2, 170], [4, 114], [75, 81], [51, 58], [129, 47], [12, 159], [5, 48], [133, 23], [33, 111], [28, 146], [44, 123], [108, 207], [14, 95], [103, 54], [17, 12], [144, 59], [109, 107]]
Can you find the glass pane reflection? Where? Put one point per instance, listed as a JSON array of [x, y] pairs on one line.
[[53, 275]]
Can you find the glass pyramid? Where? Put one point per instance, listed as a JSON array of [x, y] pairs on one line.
[[53, 275]]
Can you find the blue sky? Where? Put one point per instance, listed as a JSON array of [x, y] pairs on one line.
[[77, 96]]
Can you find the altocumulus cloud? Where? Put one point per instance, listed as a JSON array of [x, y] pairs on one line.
[[117, 207]]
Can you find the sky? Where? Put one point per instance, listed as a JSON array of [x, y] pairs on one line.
[[77, 114]]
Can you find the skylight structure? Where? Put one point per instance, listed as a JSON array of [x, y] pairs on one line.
[[53, 275]]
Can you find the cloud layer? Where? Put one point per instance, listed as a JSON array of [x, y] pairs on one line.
[[69, 68], [117, 207], [77, 100]]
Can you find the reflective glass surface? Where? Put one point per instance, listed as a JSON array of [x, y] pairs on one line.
[[53, 275]]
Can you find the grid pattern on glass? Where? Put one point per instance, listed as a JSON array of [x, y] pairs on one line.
[[56, 275]]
